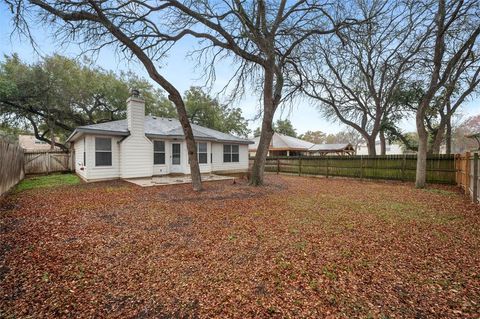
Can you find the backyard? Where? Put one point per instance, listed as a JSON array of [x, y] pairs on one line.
[[298, 247]]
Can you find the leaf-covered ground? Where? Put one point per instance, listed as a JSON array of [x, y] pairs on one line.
[[299, 247]]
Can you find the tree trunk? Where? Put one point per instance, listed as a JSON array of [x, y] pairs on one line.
[[383, 144], [437, 139], [448, 136], [421, 173], [190, 140], [371, 146], [258, 169]]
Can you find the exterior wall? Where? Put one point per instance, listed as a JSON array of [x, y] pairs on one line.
[[30, 143], [391, 149], [91, 171], [136, 116], [219, 166], [79, 165], [136, 154], [136, 151], [133, 157]]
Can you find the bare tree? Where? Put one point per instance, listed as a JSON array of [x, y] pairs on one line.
[[453, 41], [129, 26], [266, 39], [355, 77], [461, 85]]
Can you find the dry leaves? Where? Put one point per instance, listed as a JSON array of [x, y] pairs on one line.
[[299, 247]]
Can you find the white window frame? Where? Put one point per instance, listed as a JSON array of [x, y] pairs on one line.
[[103, 151], [205, 152], [159, 152], [231, 153]]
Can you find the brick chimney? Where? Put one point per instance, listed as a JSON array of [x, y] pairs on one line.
[[136, 113]]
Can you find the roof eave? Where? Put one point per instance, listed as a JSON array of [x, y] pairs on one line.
[[209, 139], [94, 131]]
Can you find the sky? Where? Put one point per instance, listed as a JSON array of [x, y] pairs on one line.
[[181, 71]]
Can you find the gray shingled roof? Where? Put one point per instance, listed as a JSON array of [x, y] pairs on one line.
[[158, 127], [330, 147], [280, 141]]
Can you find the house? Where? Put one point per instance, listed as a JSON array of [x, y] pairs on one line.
[[390, 149], [332, 149], [145, 146], [283, 145], [31, 143]]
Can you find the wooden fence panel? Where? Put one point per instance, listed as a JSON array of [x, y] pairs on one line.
[[473, 175], [45, 162], [440, 168], [11, 165]]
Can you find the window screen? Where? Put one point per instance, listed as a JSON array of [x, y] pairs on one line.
[[231, 153], [202, 153], [103, 151], [158, 152]]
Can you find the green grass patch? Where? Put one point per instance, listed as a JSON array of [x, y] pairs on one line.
[[53, 180]]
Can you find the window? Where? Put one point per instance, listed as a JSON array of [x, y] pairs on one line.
[[230, 154], [202, 153], [103, 151], [175, 153], [158, 152]]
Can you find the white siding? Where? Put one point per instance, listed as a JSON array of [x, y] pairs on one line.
[[136, 152], [391, 149], [79, 147], [136, 116], [133, 157], [93, 172], [219, 166]]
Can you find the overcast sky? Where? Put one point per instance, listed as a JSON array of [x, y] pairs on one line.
[[180, 70]]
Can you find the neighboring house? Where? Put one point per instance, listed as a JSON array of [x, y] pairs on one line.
[[283, 145], [145, 146], [332, 149], [31, 143], [390, 149]]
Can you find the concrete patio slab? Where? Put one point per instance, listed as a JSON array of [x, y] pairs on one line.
[[172, 180]]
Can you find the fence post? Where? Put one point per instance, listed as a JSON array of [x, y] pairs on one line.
[[361, 166], [466, 175], [48, 163], [326, 157], [475, 178], [404, 166], [278, 166], [300, 166]]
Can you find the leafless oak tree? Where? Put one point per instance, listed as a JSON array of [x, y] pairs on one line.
[[355, 77], [266, 39], [134, 28], [452, 44]]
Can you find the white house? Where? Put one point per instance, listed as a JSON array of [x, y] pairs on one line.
[[284, 145], [145, 146], [390, 149]]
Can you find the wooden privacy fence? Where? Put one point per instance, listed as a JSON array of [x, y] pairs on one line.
[[11, 165], [45, 162], [468, 171], [440, 168]]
